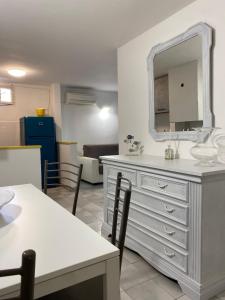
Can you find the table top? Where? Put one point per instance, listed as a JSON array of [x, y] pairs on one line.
[[62, 242], [182, 166]]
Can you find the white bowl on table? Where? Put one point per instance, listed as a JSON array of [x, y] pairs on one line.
[[5, 197]]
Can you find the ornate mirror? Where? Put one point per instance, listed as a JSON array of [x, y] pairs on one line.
[[179, 85]]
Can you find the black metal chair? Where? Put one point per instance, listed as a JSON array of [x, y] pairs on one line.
[[57, 171], [27, 273], [125, 202]]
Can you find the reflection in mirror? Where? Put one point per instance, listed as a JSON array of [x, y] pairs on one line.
[[178, 87]]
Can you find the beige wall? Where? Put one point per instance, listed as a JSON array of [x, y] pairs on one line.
[[132, 72], [27, 98]]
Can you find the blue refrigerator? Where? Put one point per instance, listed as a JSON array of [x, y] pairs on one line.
[[40, 131]]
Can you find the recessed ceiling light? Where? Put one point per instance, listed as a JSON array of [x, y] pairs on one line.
[[17, 72]]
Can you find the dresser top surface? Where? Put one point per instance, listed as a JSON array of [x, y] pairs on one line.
[[182, 166]]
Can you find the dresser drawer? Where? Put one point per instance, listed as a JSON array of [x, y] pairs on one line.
[[177, 258], [127, 173], [156, 204], [162, 206], [153, 243], [111, 187], [166, 230], [159, 226], [163, 185], [162, 227]]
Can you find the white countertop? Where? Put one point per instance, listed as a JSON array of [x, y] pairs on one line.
[[182, 166], [62, 242]]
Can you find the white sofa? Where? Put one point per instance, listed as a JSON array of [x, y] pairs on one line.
[[90, 171]]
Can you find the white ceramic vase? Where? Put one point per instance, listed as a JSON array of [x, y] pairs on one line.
[[205, 152]]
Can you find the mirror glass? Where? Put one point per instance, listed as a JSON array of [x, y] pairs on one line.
[[178, 87]]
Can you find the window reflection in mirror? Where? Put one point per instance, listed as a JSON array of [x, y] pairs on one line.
[[178, 87]]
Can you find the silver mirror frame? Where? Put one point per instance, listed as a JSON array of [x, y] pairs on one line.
[[205, 31]]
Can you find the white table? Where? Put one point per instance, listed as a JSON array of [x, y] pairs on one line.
[[68, 251]]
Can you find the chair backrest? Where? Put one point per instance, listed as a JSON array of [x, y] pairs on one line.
[[27, 273], [125, 202], [66, 174]]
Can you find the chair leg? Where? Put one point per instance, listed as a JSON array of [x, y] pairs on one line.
[[77, 190], [123, 225], [116, 208], [28, 275], [46, 177]]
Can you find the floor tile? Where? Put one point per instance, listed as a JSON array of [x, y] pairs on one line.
[[221, 296], [184, 297], [142, 266], [136, 273], [124, 296], [86, 217], [170, 286], [125, 264], [131, 256], [148, 291], [187, 298], [96, 226]]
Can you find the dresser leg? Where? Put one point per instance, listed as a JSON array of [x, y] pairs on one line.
[[193, 293], [111, 280]]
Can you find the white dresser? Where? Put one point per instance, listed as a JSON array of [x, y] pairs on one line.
[[176, 219]]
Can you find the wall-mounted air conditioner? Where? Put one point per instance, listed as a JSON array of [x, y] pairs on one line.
[[80, 97]]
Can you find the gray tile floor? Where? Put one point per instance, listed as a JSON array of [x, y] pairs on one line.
[[139, 281]]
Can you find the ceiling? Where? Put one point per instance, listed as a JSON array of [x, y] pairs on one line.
[[73, 42]]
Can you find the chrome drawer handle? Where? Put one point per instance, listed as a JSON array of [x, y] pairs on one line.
[[162, 186], [169, 254], [169, 210], [167, 231]]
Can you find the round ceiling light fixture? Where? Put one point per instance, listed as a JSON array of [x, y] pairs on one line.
[[17, 72]]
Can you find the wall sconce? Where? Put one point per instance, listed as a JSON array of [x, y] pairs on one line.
[[104, 113]]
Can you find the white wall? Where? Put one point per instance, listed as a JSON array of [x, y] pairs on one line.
[[183, 100], [20, 166], [132, 72], [86, 125], [27, 98], [56, 108]]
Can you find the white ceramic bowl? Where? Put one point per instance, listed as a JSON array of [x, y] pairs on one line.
[[206, 155], [5, 197]]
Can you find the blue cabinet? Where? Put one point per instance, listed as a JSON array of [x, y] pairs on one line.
[[40, 131], [41, 127]]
